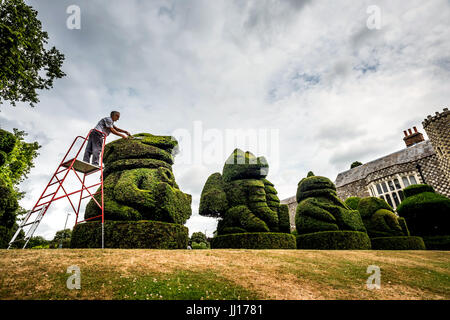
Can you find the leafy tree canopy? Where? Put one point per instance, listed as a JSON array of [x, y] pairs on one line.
[[355, 164], [19, 161], [25, 65]]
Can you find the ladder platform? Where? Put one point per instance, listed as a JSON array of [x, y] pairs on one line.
[[81, 166]]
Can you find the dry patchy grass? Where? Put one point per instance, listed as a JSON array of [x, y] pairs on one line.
[[261, 274]]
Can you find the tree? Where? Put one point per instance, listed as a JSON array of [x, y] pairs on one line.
[[63, 236], [23, 58], [355, 164], [199, 237], [16, 161]]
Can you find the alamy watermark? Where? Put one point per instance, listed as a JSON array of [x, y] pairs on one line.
[[74, 280], [74, 19], [374, 280], [374, 20], [213, 146]]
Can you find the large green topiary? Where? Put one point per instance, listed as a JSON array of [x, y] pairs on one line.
[[139, 183], [130, 234], [427, 213], [319, 209], [243, 200], [257, 240], [386, 230]]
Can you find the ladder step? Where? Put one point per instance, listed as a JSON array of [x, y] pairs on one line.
[[29, 223], [50, 194]]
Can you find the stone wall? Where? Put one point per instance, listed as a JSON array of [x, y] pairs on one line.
[[438, 131], [430, 167]]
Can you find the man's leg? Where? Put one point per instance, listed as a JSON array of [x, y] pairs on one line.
[[97, 144], [88, 151]]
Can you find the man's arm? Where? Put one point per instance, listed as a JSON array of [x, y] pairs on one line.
[[117, 133], [120, 130]]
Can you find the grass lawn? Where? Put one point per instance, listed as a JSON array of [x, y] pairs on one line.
[[223, 274]]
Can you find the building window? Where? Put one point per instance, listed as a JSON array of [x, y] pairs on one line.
[[390, 189]]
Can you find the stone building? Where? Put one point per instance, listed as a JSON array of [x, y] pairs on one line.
[[422, 161]]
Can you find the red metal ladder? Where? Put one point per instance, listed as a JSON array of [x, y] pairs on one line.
[[66, 166]]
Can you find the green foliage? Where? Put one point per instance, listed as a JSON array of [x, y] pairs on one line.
[[352, 202], [18, 158], [414, 189], [258, 240], [319, 209], [398, 243], [380, 220], [355, 164], [426, 213], [368, 206], [334, 240], [310, 174], [213, 200], [200, 245], [130, 234], [283, 218], [139, 184], [437, 242], [199, 237], [38, 242], [23, 59], [244, 165], [242, 198]]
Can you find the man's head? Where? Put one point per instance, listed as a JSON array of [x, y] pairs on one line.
[[115, 115]]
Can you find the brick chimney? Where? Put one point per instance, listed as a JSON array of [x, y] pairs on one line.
[[411, 138]]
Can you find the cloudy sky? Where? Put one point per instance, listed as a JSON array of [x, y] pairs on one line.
[[311, 85]]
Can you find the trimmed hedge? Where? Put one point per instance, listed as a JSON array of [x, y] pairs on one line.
[[437, 242], [334, 240], [257, 240], [244, 165], [130, 234], [352, 202], [398, 243], [416, 189], [426, 213]]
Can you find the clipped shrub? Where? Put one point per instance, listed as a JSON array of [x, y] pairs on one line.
[[386, 230], [243, 200], [398, 243], [353, 202], [426, 212], [257, 240], [199, 245], [414, 189], [139, 185], [130, 234], [437, 242], [319, 208], [334, 240], [321, 218]]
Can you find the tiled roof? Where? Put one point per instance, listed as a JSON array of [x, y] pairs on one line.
[[413, 153]]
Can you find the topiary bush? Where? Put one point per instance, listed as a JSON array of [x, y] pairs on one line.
[[427, 213], [130, 234], [381, 222], [352, 202], [334, 240], [242, 198], [256, 240], [398, 243], [319, 209], [437, 242], [139, 183]]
